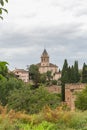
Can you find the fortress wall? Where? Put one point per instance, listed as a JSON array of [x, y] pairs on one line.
[[70, 96]]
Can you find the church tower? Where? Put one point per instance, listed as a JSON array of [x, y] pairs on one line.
[[44, 58]]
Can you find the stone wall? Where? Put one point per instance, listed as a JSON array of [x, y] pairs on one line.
[[70, 96], [54, 89]]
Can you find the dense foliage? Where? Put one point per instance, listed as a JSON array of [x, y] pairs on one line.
[[34, 74], [81, 100], [69, 75], [48, 119], [38, 78], [20, 96], [84, 73], [32, 101], [6, 86]]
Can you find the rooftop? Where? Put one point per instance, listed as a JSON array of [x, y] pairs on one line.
[[45, 53]]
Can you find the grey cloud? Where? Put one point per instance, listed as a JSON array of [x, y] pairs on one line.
[[29, 16], [61, 42], [81, 12]]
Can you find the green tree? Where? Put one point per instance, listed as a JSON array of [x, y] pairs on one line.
[[32, 101], [81, 100], [49, 75], [6, 86], [54, 82], [84, 73], [64, 78], [1, 8], [43, 78], [34, 74], [76, 72], [72, 77], [3, 68]]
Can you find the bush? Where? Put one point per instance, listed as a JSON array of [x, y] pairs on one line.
[[32, 101], [6, 86], [54, 82], [48, 119], [81, 100]]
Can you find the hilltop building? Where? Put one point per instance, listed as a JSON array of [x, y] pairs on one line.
[[45, 66]]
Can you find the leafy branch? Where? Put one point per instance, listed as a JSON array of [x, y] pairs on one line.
[[2, 2]]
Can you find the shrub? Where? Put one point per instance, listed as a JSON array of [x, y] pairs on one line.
[[54, 82], [32, 101], [81, 100]]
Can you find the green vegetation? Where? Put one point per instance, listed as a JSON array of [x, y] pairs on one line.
[[81, 100], [32, 101], [47, 119], [1, 8], [84, 73], [34, 75], [6, 86], [24, 107], [71, 74], [37, 78]]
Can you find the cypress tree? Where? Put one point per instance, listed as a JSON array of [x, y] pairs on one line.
[[64, 78], [84, 73], [76, 72], [72, 74], [69, 74]]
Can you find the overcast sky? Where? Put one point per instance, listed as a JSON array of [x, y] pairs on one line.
[[58, 25]]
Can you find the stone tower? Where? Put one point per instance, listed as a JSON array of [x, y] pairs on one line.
[[44, 58]]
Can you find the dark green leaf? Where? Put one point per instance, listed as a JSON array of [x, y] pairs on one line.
[[6, 1], [2, 2], [0, 11], [4, 10]]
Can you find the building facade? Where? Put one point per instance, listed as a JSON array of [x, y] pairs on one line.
[[22, 74], [45, 66]]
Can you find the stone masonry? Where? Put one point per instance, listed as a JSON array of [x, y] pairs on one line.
[[70, 96]]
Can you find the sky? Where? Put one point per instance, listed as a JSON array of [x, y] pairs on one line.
[[60, 26]]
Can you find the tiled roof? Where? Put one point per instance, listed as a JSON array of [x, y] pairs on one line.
[[20, 70], [50, 65]]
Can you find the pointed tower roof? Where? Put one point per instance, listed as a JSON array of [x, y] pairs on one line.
[[44, 54]]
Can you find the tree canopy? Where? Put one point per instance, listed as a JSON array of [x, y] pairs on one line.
[[3, 68], [32, 101], [70, 74], [34, 74]]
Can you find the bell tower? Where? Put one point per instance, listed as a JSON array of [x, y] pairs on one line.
[[44, 58]]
